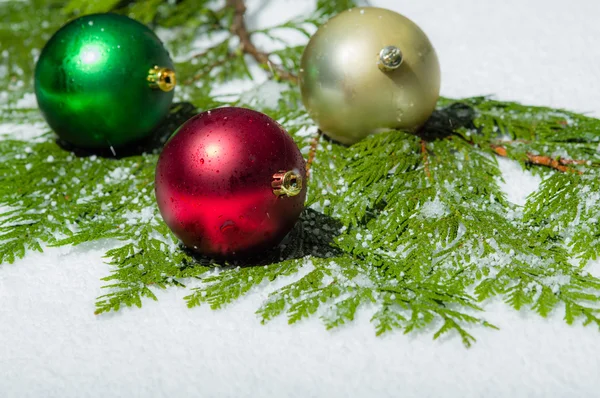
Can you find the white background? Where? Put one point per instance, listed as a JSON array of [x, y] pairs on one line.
[[51, 344]]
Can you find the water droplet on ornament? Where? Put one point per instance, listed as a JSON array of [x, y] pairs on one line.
[[91, 23], [399, 115]]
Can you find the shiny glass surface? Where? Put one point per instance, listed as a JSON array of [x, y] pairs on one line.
[[214, 182], [91, 81]]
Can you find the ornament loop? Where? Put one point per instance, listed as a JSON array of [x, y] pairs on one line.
[[286, 183], [162, 78], [390, 59]]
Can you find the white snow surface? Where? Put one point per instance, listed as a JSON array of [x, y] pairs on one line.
[[539, 52]]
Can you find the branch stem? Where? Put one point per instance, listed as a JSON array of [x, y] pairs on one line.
[[542, 160], [425, 158], [238, 27]]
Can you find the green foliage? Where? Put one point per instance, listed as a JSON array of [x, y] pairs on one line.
[[325, 8], [413, 229]]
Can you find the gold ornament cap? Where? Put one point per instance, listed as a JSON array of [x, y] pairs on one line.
[[162, 78], [390, 58], [286, 183]]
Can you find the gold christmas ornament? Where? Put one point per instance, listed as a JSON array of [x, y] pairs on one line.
[[368, 70]]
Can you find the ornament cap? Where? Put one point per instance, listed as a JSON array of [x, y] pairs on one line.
[[162, 78], [286, 183], [390, 58]]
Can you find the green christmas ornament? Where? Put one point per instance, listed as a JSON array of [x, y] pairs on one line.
[[104, 81]]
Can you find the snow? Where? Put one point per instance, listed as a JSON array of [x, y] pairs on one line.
[[233, 89], [434, 209], [53, 346], [23, 131], [27, 102], [517, 184], [265, 95]]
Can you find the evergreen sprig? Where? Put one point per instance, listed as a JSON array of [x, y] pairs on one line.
[[413, 228]]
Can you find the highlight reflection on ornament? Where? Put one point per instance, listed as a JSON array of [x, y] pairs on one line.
[[90, 54]]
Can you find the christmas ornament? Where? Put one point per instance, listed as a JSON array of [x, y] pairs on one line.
[[103, 81], [230, 182], [369, 69]]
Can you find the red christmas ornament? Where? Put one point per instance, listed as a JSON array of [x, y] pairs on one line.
[[230, 182]]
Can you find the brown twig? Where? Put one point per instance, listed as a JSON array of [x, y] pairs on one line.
[[312, 153], [425, 158], [542, 160], [238, 27]]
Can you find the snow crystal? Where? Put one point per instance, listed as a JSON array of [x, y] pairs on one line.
[[265, 95], [119, 173], [591, 200], [24, 132], [144, 216], [234, 89], [434, 208]]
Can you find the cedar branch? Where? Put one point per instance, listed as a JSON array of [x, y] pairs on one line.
[[208, 68], [313, 151], [238, 27]]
